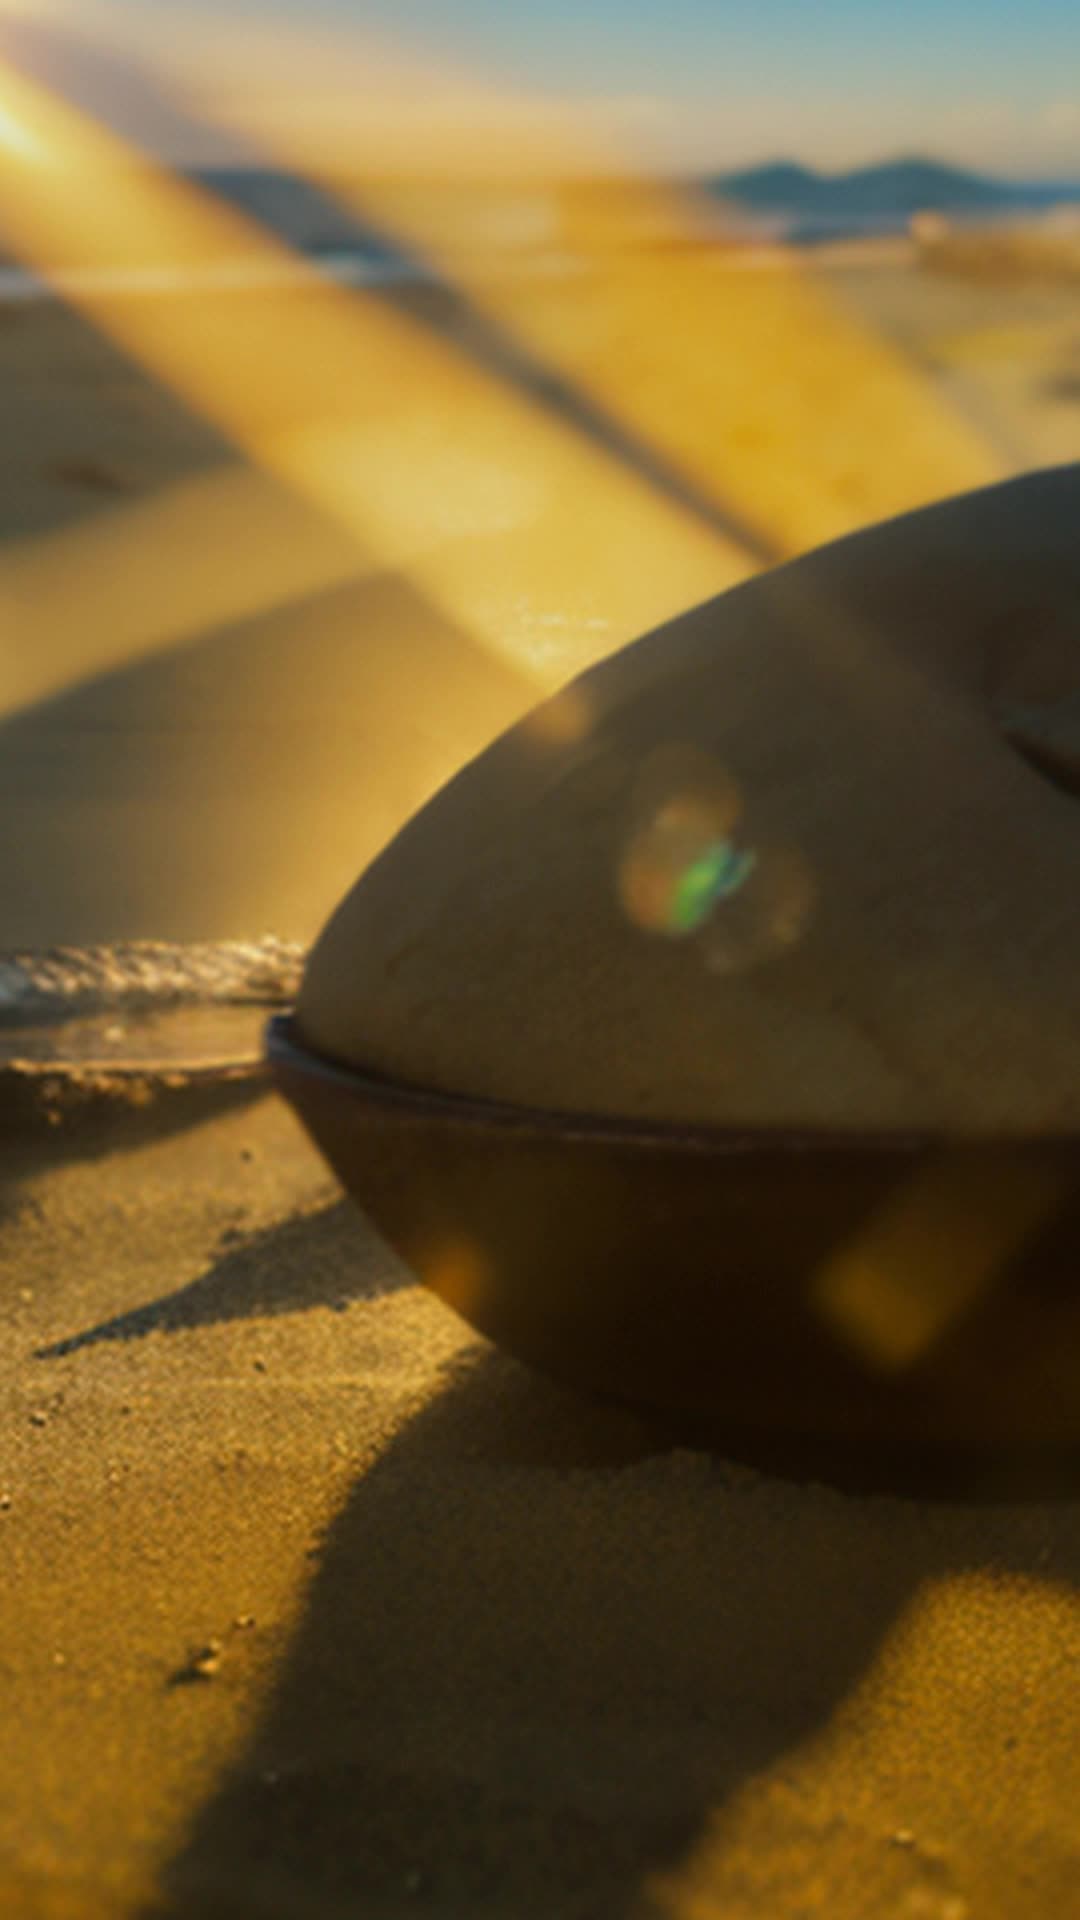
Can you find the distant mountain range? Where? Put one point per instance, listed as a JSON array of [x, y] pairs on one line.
[[783, 201], [806, 204], [790, 201]]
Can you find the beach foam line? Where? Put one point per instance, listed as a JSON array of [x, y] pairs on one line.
[[94, 1021], [64, 982]]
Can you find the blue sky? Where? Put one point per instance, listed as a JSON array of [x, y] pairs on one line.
[[686, 45], [1001, 75], [990, 83]]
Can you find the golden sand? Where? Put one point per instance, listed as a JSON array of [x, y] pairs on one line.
[[311, 1604]]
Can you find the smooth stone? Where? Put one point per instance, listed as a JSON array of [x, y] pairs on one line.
[[876, 922]]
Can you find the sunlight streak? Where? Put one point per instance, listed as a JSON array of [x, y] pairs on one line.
[[121, 586], [761, 390], [18, 138], [961, 1669], [543, 547]]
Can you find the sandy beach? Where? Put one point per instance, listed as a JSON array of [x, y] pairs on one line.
[[194, 642], [314, 1605], [311, 1605]]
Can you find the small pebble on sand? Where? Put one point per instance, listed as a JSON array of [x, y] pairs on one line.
[[203, 1664]]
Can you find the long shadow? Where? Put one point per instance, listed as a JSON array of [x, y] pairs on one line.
[[286, 204], [113, 761], [40, 1131], [40, 1128], [240, 780], [437, 303], [317, 1262], [539, 1652]]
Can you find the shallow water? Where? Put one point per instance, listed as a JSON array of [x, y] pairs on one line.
[[144, 1005]]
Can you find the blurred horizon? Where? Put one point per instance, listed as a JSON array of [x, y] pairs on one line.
[[694, 91], [365, 393]]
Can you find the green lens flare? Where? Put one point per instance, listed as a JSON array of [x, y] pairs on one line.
[[716, 873]]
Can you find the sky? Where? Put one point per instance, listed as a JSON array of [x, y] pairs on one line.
[[686, 84]]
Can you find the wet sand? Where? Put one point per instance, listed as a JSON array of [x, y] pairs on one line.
[[310, 1605]]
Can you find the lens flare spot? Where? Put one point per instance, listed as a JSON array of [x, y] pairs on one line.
[[765, 916], [691, 865], [680, 856], [715, 874], [929, 1255], [458, 1271], [676, 869]]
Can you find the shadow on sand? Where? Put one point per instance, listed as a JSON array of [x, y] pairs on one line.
[[541, 1649], [317, 1262]]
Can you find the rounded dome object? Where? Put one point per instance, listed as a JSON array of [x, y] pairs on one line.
[[712, 1042], [806, 856]]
